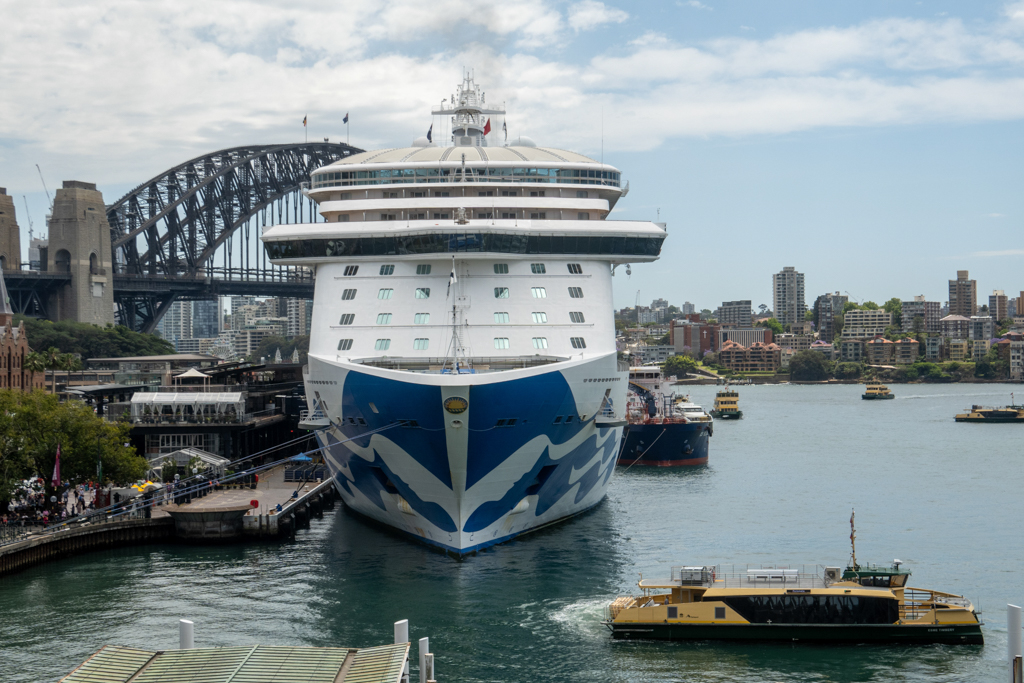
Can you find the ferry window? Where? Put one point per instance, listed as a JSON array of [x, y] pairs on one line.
[[420, 344], [347, 318], [441, 216], [583, 216], [348, 295], [673, 612], [386, 270], [500, 268], [540, 317], [501, 292], [541, 216], [575, 268], [537, 193], [576, 292], [582, 194], [501, 317], [501, 342], [540, 342], [421, 319], [719, 613], [383, 318], [423, 292], [538, 268], [351, 270], [382, 345], [423, 269], [384, 293], [344, 344], [539, 292], [576, 317], [578, 342]]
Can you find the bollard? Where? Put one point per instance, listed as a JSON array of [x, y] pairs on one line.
[[1013, 636], [402, 636], [186, 634], [429, 667], [424, 651]]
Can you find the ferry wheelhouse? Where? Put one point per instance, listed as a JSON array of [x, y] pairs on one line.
[[463, 378]]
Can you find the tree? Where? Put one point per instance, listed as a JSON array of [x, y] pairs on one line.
[[849, 306], [35, 362], [848, 370], [808, 366], [92, 341], [53, 361], [680, 366], [809, 316], [772, 324], [869, 306], [838, 323], [762, 310], [895, 307], [918, 325]]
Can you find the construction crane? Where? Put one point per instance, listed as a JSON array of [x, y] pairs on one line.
[[48, 199], [29, 217]]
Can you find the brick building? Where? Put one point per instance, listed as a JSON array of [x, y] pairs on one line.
[[13, 349], [759, 357]]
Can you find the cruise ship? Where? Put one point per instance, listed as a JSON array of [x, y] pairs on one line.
[[463, 379]]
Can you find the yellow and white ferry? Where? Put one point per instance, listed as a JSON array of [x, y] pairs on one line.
[[876, 390]]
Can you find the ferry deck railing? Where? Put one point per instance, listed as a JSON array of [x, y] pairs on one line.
[[919, 601]]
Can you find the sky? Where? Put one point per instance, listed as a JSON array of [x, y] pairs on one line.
[[875, 146]]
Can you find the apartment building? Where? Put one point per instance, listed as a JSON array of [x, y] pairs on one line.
[[861, 324], [907, 351], [827, 308], [788, 296], [927, 311], [963, 295], [998, 305], [879, 351], [736, 313]]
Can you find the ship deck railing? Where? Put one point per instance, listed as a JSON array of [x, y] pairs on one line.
[[745, 576], [919, 601], [474, 365]]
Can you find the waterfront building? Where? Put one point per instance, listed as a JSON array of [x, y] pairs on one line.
[[465, 293], [298, 318], [653, 354], [698, 337], [851, 350], [746, 337], [907, 351], [955, 327], [963, 295], [959, 350], [879, 351], [824, 348], [797, 342], [933, 349], [981, 327], [864, 323], [646, 315], [827, 308], [150, 371], [927, 311], [998, 304], [736, 313], [788, 296], [785, 355], [1017, 359], [759, 357], [979, 347]]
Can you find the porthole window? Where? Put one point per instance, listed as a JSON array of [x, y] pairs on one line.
[[539, 292], [501, 292], [348, 295], [347, 318], [421, 319], [382, 345], [351, 270], [540, 342], [383, 318], [344, 344], [387, 270], [423, 292], [385, 293], [501, 268], [540, 317], [501, 317], [420, 344], [423, 269], [576, 292], [575, 268], [578, 342], [501, 342], [538, 268], [576, 317]]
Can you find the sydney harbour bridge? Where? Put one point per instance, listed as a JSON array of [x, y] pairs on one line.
[[192, 232]]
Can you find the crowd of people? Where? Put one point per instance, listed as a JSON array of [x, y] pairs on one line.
[[33, 508]]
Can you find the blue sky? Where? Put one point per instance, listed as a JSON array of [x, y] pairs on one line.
[[875, 146]]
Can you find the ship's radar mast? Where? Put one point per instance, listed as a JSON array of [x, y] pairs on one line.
[[469, 114]]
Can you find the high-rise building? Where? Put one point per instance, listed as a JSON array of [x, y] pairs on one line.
[[689, 308], [205, 319], [963, 295], [827, 308], [997, 305], [177, 322], [788, 296], [298, 324], [928, 311], [736, 313]]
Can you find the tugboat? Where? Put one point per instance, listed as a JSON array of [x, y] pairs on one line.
[[863, 604], [875, 391], [727, 405], [1010, 413], [662, 430]]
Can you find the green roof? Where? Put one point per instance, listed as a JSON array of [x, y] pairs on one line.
[[256, 664]]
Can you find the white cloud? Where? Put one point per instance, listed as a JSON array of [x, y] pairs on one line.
[[695, 4], [995, 215], [590, 14], [1004, 252]]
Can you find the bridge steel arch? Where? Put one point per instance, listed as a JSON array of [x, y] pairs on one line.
[[188, 232]]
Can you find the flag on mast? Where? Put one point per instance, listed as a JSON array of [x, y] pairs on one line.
[[451, 279], [487, 127], [345, 120], [504, 127], [304, 121], [56, 470], [430, 133]]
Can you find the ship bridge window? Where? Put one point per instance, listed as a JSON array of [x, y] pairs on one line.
[[542, 215], [383, 318], [420, 344], [538, 268], [576, 292], [423, 292], [347, 318], [344, 344], [501, 317], [501, 292], [421, 319], [540, 342], [578, 342], [351, 270], [501, 342], [575, 268], [540, 317], [500, 268], [576, 317], [539, 292], [423, 269], [348, 295], [386, 269], [581, 194], [382, 345], [509, 193], [441, 216], [583, 216], [537, 193]]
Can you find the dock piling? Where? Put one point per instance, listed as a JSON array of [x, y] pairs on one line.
[[424, 651], [1013, 641], [428, 661], [186, 634], [402, 636]]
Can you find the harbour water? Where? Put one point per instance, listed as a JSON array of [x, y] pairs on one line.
[[944, 498]]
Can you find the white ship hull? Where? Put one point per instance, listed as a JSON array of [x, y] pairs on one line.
[[454, 475]]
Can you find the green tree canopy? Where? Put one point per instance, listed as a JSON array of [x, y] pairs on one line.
[[869, 306], [849, 306], [92, 341], [808, 366], [895, 307], [772, 324], [679, 366], [269, 345]]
